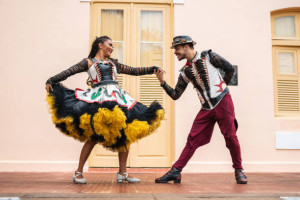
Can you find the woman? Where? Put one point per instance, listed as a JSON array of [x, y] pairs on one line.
[[104, 114]]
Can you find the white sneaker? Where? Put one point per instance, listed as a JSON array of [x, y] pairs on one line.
[[78, 180], [121, 178]]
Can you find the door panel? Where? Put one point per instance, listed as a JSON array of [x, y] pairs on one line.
[[152, 50], [110, 20]]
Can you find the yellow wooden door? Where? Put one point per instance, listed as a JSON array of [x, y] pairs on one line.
[[141, 36], [151, 43]]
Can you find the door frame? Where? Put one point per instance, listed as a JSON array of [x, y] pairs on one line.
[[131, 59]]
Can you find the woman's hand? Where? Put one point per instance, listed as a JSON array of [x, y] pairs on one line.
[[160, 75], [49, 87]]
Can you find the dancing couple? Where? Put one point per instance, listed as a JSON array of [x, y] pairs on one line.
[[108, 115]]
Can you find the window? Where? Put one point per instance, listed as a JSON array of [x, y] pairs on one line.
[[286, 61]]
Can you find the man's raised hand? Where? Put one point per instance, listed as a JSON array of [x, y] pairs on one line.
[[160, 75]]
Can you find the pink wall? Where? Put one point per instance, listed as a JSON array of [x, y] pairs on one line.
[[38, 39], [240, 31]]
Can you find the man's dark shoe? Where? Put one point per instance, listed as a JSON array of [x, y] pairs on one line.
[[172, 175], [240, 177]]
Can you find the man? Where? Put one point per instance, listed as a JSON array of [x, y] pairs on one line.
[[202, 70]]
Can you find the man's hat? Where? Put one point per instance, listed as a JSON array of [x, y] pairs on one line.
[[182, 39]]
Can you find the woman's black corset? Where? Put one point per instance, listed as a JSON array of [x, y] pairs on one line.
[[105, 71]]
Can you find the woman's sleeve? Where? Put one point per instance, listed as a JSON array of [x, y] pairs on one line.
[[82, 66], [136, 71]]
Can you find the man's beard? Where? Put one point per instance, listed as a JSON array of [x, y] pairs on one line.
[[180, 58]]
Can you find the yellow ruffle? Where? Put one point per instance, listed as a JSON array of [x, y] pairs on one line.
[[85, 124], [139, 129], [109, 123], [71, 128]]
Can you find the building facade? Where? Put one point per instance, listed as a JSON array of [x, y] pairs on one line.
[[41, 38]]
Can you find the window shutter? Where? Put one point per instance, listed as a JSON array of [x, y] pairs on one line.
[[287, 96], [150, 90], [120, 80]]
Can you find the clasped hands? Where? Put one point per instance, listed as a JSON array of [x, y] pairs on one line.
[[160, 75]]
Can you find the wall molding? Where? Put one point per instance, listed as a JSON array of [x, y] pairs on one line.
[[192, 167], [39, 166], [207, 167], [36, 162]]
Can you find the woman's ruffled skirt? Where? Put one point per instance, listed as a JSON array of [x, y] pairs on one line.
[[108, 116]]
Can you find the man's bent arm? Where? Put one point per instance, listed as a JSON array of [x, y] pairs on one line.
[[179, 88]]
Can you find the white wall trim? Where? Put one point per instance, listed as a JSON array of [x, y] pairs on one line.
[[39, 166], [36, 162], [265, 163], [178, 1], [85, 0], [207, 167], [192, 167]]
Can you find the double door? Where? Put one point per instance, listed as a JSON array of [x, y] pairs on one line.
[[141, 34]]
